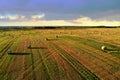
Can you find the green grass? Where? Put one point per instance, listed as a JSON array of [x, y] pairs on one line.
[[40, 65], [82, 70], [96, 45]]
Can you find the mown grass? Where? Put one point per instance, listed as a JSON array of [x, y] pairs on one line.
[[43, 68], [7, 59], [82, 70], [6, 77], [96, 45], [48, 68]]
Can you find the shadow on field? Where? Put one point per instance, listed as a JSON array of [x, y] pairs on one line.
[[50, 39], [38, 48], [18, 53]]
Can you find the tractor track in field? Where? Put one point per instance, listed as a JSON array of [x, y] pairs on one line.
[[109, 60], [7, 58], [95, 63], [40, 61], [69, 75], [62, 56], [105, 56], [65, 69], [32, 63], [23, 60], [43, 64], [14, 63], [102, 58], [33, 66], [65, 55], [68, 60], [4, 42], [27, 58], [50, 55], [6, 47]]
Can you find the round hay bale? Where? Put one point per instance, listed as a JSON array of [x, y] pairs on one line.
[[29, 46], [57, 36], [46, 39], [103, 47], [9, 51]]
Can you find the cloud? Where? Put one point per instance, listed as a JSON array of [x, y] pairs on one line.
[[22, 17], [14, 17], [86, 21], [39, 16], [19, 17], [9, 17], [82, 21], [2, 17], [38, 23]]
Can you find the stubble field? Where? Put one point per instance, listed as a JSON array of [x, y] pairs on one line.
[[60, 54]]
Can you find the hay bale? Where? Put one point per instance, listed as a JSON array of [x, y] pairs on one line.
[[103, 48], [29, 46], [57, 36], [46, 39], [9, 51]]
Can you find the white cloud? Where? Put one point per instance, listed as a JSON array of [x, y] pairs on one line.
[[86, 21], [9, 16], [13, 17], [39, 16], [82, 21], [39, 23], [22, 17], [17, 17], [2, 17]]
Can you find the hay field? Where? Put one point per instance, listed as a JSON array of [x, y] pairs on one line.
[[60, 54]]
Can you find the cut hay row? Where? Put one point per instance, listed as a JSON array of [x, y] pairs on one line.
[[3, 42], [23, 59], [16, 61], [100, 53], [66, 72], [37, 56], [27, 62], [5, 63], [61, 74], [38, 63], [44, 62], [45, 58], [94, 52], [32, 60], [84, 72], [49, 64], [76, 57], [94, 44], [6, 47], [93, 55]]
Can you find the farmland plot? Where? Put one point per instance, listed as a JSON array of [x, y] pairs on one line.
[[60, 54]]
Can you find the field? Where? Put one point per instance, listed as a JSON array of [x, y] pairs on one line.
[[60, 54]]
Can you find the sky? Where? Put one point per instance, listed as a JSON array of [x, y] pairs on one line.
[[59, 12]]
